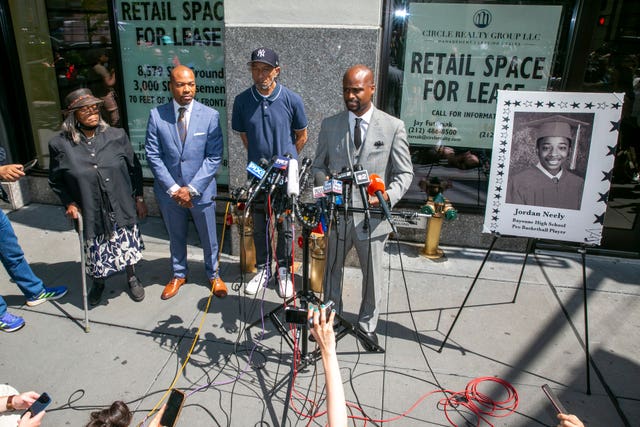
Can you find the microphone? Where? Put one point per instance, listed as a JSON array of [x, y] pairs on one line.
[[361, 178], [255, 173], [253, 192], [333, 189], [305, 172], [376, 187], [280, 166], [318, 193], [293, 185], [345, 175]]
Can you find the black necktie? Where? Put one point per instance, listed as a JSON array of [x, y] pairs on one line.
[[182, 124], [357, 134]]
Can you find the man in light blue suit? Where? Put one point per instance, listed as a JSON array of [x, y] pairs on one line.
[[184, 150]]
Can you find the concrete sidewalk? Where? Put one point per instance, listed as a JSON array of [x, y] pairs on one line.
[[134, 350]]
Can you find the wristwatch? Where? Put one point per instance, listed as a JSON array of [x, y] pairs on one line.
[[139, 199], [10, 406]]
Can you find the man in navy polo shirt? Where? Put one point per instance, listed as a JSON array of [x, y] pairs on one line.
[[271, 121]]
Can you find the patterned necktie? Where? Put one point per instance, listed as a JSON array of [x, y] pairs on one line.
[[357, 134], [182, 124]]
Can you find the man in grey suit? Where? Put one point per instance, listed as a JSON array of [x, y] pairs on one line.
[[184, 150], [372, 138]]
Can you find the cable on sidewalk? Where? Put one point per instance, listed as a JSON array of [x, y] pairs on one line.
[[196, 336]]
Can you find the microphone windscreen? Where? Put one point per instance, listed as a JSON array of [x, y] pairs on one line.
[[293, 186], [376, 184], [319, 178]]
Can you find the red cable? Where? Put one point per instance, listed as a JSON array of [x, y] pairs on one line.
[[471, 398]]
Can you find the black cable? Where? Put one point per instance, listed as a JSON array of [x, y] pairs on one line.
[[415, 326]]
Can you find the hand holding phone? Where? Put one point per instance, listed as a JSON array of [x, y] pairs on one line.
[[27, 420], [30, 164], [173, 408], [38, 406], [560, 409]]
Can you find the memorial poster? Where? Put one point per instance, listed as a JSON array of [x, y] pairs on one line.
[[552, 164], [458, 56], [154, 37]]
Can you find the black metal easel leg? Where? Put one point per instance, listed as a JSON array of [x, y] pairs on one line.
[[493, 241], [530, 245], [583, 253]]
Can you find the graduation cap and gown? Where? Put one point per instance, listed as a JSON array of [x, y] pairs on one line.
[[538, 187]]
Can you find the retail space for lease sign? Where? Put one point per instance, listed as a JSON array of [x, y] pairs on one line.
[[156, 36], [458, 56]]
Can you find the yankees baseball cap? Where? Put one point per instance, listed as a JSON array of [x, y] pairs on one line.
[[265, 55]]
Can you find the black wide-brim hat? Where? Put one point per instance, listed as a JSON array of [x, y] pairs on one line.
[[80, 98]]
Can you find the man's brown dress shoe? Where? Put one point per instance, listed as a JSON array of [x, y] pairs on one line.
[[171, 288], [219, 288]]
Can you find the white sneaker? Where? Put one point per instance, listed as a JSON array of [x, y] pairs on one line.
[[285, 288], [259, 281]]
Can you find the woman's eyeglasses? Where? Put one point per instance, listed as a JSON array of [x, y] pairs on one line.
[[89, 109]]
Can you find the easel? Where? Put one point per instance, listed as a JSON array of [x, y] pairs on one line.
[[530, 248]]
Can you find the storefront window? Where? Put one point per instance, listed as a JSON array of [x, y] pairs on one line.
[[68, 44], [79, 37], [154, 38], [33, 44], [446, 62]]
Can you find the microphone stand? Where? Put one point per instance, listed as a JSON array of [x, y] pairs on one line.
[[306, 296], [365, 204]]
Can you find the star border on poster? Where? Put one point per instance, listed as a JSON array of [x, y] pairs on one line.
[[575, 214]]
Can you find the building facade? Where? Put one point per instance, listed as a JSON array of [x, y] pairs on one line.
[[438, 67]]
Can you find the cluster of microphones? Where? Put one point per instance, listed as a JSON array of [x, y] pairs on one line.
[[283, 175], [329, 191]]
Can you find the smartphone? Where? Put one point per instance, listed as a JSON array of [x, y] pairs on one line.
[[30, 164], [38, 406], [554, 399], [174, 406]]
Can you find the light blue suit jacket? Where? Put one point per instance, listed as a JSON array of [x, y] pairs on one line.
[[193, 164]]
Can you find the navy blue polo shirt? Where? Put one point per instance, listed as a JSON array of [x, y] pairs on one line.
[[269, 122]]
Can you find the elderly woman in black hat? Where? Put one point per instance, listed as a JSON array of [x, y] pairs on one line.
[[94, 171]]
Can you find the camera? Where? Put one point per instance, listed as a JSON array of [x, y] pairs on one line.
[[299, 315], [295, 315]]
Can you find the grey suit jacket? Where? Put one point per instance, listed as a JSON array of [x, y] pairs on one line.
[[385, 152]]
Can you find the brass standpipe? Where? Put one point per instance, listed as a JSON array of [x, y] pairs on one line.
[[440, 209], [247, 247], [317, 249]]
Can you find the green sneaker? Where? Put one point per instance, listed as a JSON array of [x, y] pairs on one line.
[[48, 294]]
